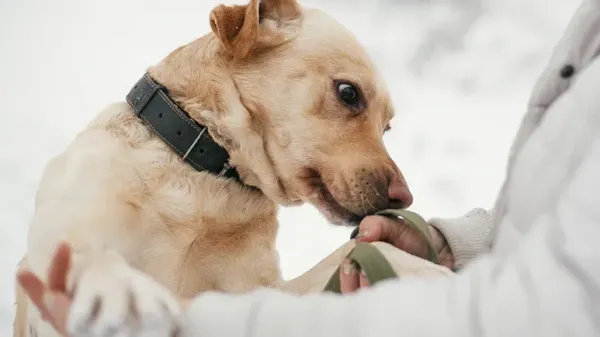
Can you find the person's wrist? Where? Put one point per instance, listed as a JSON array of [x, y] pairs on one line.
[[467, 235], [437, 238], [442, 248]]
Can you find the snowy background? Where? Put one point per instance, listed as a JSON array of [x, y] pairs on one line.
[[459, 70]]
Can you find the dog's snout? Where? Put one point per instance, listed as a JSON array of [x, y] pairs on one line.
[[399, 195], [378, 190]]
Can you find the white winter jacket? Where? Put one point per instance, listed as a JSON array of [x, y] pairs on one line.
[[541, 276]]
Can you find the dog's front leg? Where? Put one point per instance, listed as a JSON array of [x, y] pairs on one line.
[[111, 298]]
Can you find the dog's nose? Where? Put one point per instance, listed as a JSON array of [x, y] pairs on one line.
[[399, 195]]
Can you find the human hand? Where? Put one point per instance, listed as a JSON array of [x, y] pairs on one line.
[[396, 232], [52, 299]]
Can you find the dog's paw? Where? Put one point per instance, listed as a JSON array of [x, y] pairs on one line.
[[113, 299]]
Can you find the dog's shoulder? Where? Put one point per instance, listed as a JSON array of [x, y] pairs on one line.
[[110, 154], [118, 121]]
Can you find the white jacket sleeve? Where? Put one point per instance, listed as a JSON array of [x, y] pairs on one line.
[[548, 286], [467, 236]]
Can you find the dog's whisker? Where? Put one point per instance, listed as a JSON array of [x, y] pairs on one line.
[[370, 204], [362, 203], [375, 190]]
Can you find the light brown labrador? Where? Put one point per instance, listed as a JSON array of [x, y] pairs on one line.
[[300, 108]]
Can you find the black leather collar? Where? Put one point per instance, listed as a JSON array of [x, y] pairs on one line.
[[188, 139]]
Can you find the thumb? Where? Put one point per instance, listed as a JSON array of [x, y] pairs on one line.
[[59, 268], [380, 228], [53, 306]]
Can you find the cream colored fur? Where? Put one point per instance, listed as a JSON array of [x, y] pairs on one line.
[[145, 225]]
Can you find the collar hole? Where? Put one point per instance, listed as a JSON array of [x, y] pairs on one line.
[[567, 71]]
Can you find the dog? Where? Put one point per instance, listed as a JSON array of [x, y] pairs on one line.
[[278, 105]]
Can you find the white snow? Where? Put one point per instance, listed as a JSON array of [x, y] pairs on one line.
[[460, 72]]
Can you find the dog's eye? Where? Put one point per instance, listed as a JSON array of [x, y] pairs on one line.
[[348, 94]]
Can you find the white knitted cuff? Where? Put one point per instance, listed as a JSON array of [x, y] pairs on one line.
[[467, 236]]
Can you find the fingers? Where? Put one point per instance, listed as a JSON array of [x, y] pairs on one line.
[[35, 289], [395, 232], [59, 268], [54, 307], [362, 278], [50, 299], [351, 279], [379, 228]]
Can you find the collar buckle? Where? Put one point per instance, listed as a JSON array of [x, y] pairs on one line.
[[187, 153], [151, 103]]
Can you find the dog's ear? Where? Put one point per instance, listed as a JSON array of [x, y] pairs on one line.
[[279, 10], [236, 27], [242, 29]]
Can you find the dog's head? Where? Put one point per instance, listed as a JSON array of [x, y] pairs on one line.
[[297, 102]]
